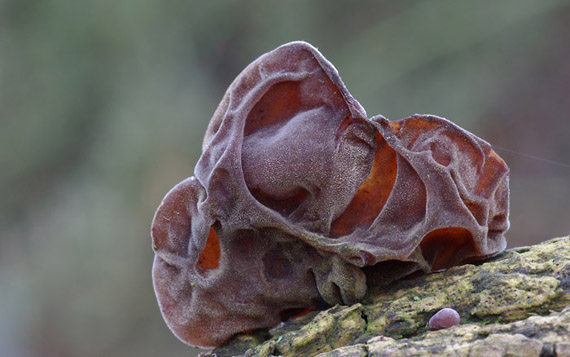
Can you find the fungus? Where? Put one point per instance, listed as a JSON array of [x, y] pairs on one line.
[[299, 198], [444, 318]]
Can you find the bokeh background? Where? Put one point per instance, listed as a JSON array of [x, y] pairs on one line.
[[103, 105]]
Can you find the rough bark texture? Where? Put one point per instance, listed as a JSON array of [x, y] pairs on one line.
[[514, 304]]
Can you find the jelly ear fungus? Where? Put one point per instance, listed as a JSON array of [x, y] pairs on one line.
[[298, 198]]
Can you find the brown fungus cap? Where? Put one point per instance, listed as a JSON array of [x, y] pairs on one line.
[[299, 199]]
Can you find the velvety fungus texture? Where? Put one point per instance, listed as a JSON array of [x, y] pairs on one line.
[[298, 193]]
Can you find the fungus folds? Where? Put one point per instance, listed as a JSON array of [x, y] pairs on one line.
[[300, 199]]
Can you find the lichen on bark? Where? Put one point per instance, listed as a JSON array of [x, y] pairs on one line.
[[517, 302]]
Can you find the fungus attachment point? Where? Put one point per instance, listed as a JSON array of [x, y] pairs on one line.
[[311, 199]]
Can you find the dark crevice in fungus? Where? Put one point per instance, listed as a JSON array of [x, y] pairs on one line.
[[294, 313], [380, 274], [335, 292]]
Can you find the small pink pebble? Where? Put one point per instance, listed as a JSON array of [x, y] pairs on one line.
[[444, 318]]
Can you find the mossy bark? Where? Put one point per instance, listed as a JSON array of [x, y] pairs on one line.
[[514, 304]]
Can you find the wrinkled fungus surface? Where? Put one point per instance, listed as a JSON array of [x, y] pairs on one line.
[[298, 193]]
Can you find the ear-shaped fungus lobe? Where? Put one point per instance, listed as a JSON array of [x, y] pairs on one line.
[[212, 283], [466, 186], [297, 191]]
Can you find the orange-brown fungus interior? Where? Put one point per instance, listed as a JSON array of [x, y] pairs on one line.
[[372, 193], [441, 246], [210, 256], [493, 165], [277, 106], [413, 128]]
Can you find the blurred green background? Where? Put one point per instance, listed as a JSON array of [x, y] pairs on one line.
[[103, 105]]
